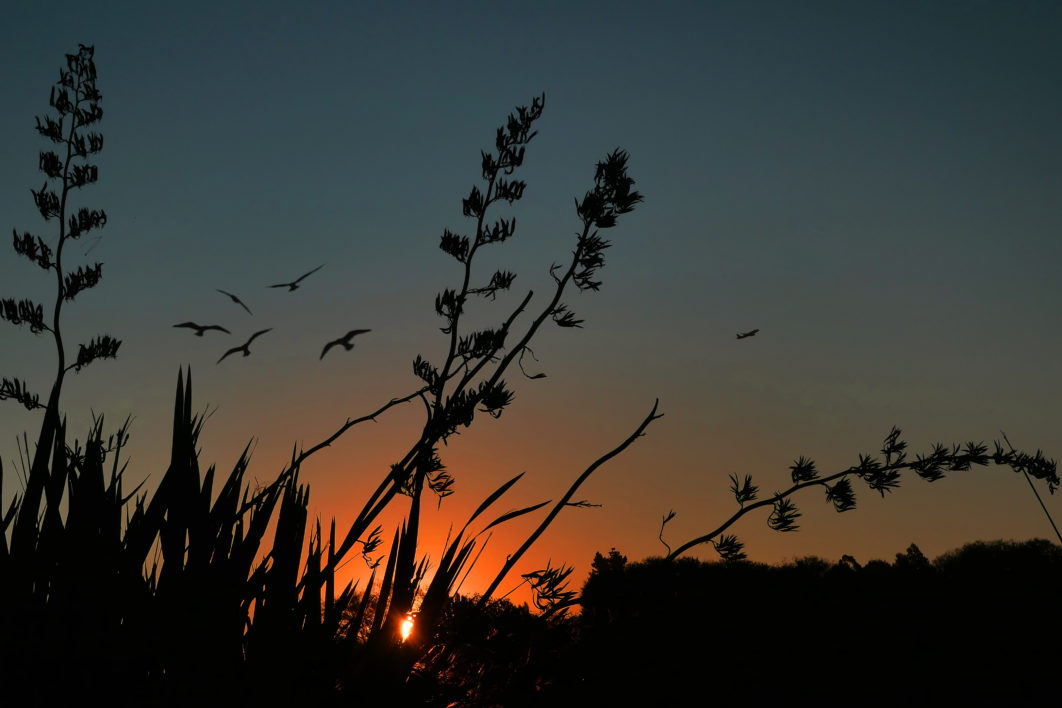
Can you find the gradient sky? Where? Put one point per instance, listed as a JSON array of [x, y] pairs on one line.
[[876, 186]]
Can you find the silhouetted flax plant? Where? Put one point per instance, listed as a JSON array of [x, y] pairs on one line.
[[177, 596], [76, 104], [208, 591], [470, 381], [880, 475]]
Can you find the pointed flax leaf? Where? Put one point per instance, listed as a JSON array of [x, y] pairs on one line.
[[359, 615], [311, 582], [441, 586], [405, 579], [226, 512], [385, 584], [9, 516], [331, 618], [288, 540], [493, 498], [513, 514]]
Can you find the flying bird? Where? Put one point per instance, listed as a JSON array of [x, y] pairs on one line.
[[237, 300], [244, 348], [294, 285], [199, 329], [750, 333], [344, 340]]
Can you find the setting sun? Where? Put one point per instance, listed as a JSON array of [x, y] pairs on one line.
[[407, 627]]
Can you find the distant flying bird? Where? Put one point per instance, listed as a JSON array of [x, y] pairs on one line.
[[344, 340], [244, 348], [237, 300], [201, 328], [294, 285], [750, 333]]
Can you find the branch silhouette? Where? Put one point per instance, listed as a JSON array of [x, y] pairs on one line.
[[563, 502], [879, 476]]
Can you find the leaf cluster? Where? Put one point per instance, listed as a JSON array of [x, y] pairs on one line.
[[102, 347], [24, 312], [85, 220], [34, 248], [744, 492], [729, 548], [18, 391], [81, 279], [549, 589]]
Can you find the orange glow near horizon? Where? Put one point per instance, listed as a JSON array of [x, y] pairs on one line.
[[406, 628]]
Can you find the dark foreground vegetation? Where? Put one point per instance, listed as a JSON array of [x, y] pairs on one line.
[[182, 597], [202, 590], [977, 626]]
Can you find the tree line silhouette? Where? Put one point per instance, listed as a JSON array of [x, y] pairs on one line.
[[978, 625]]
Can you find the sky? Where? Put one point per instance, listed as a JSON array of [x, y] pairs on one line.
[[874, 186]]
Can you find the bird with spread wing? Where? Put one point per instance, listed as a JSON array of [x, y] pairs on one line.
[[245, 348], [199, 329], [345, 341], [294, 285], [236, 300]]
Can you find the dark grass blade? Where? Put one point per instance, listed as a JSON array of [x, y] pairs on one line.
[[385, 584], [494, 496], [514, 514]]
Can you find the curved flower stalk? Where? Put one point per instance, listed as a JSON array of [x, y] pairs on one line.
[[880, 475], [75, 100]]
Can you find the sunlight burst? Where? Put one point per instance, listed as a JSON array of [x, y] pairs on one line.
[[407, 627]]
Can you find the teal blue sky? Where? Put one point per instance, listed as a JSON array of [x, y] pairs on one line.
[[874, 185]]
